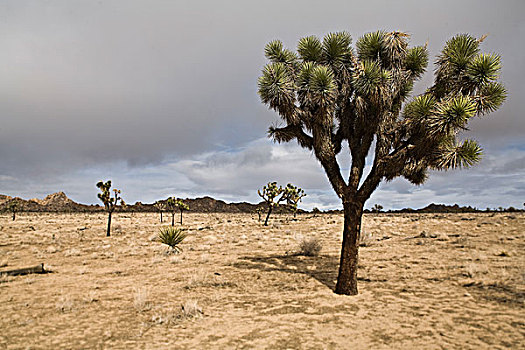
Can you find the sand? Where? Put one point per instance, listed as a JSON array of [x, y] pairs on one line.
[[427, 281]]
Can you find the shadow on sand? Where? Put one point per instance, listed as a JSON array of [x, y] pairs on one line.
[[323, 267]]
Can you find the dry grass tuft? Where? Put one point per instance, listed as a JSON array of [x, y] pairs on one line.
[[365, 238], [140, 299], [64, 303], [191, 309], [310, 247]]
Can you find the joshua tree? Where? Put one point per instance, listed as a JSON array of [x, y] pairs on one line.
[[269, 193], [377, 208], [293, 196], [259, 212], [181, 206], [174, 204], [160, 206], [14, 206], [110, 203], [328, 94]]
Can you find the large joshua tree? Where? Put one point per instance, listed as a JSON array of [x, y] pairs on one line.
[[328, 93]]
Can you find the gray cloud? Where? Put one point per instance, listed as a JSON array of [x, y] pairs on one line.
[[162, 96]]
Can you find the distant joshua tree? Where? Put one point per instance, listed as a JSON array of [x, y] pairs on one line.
[[14, 206], [270, 193], [160, 206], [110, 203], [259, 212], [328, 94], [174, 204], [293, 196], [377, 208]]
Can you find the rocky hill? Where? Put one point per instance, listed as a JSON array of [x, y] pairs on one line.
[[59, 202]]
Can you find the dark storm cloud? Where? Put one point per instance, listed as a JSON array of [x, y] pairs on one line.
[[162, 94]]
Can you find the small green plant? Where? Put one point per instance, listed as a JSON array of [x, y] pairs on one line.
[[172, 237], [110, 203]]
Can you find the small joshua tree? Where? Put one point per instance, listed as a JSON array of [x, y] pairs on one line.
[[160, 206], [293, 196], [377, 208], [14, 206], [110, 203], [269, 193], [174, 204], [259, 212], [181, 206]]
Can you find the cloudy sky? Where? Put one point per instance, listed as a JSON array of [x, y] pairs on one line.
[[161, 97]]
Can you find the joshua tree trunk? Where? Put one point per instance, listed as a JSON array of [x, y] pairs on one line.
[[172, 218], [109, 224], [161, 217], [181, 217], [268, 215], [347, 279], [14, 216]]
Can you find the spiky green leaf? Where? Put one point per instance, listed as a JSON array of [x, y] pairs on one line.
[[452, 115], [491, 97], [451, 155], [416, 61], [310, 49], [371, 46], [484, 69]]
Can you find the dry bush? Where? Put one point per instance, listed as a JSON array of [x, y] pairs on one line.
[[140, 299], [365, 238], [190, 309], [310, 247], [64, 303]]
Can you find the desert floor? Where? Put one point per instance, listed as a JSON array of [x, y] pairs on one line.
[[427, 281]]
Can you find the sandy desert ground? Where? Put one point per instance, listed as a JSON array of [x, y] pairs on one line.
[[427, 281]]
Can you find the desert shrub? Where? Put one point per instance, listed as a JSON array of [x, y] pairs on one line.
[[172, 237], [310, 247], [140, 299], [365, 238], [190, 309]]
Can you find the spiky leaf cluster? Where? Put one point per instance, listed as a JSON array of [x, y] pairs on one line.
[[293, 195], [160, 206], [173, 204], [110, 202], [172, 237], [270, 192], [328, 94]]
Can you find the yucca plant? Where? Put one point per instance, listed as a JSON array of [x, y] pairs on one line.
[[172, 237], [328, 93]]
